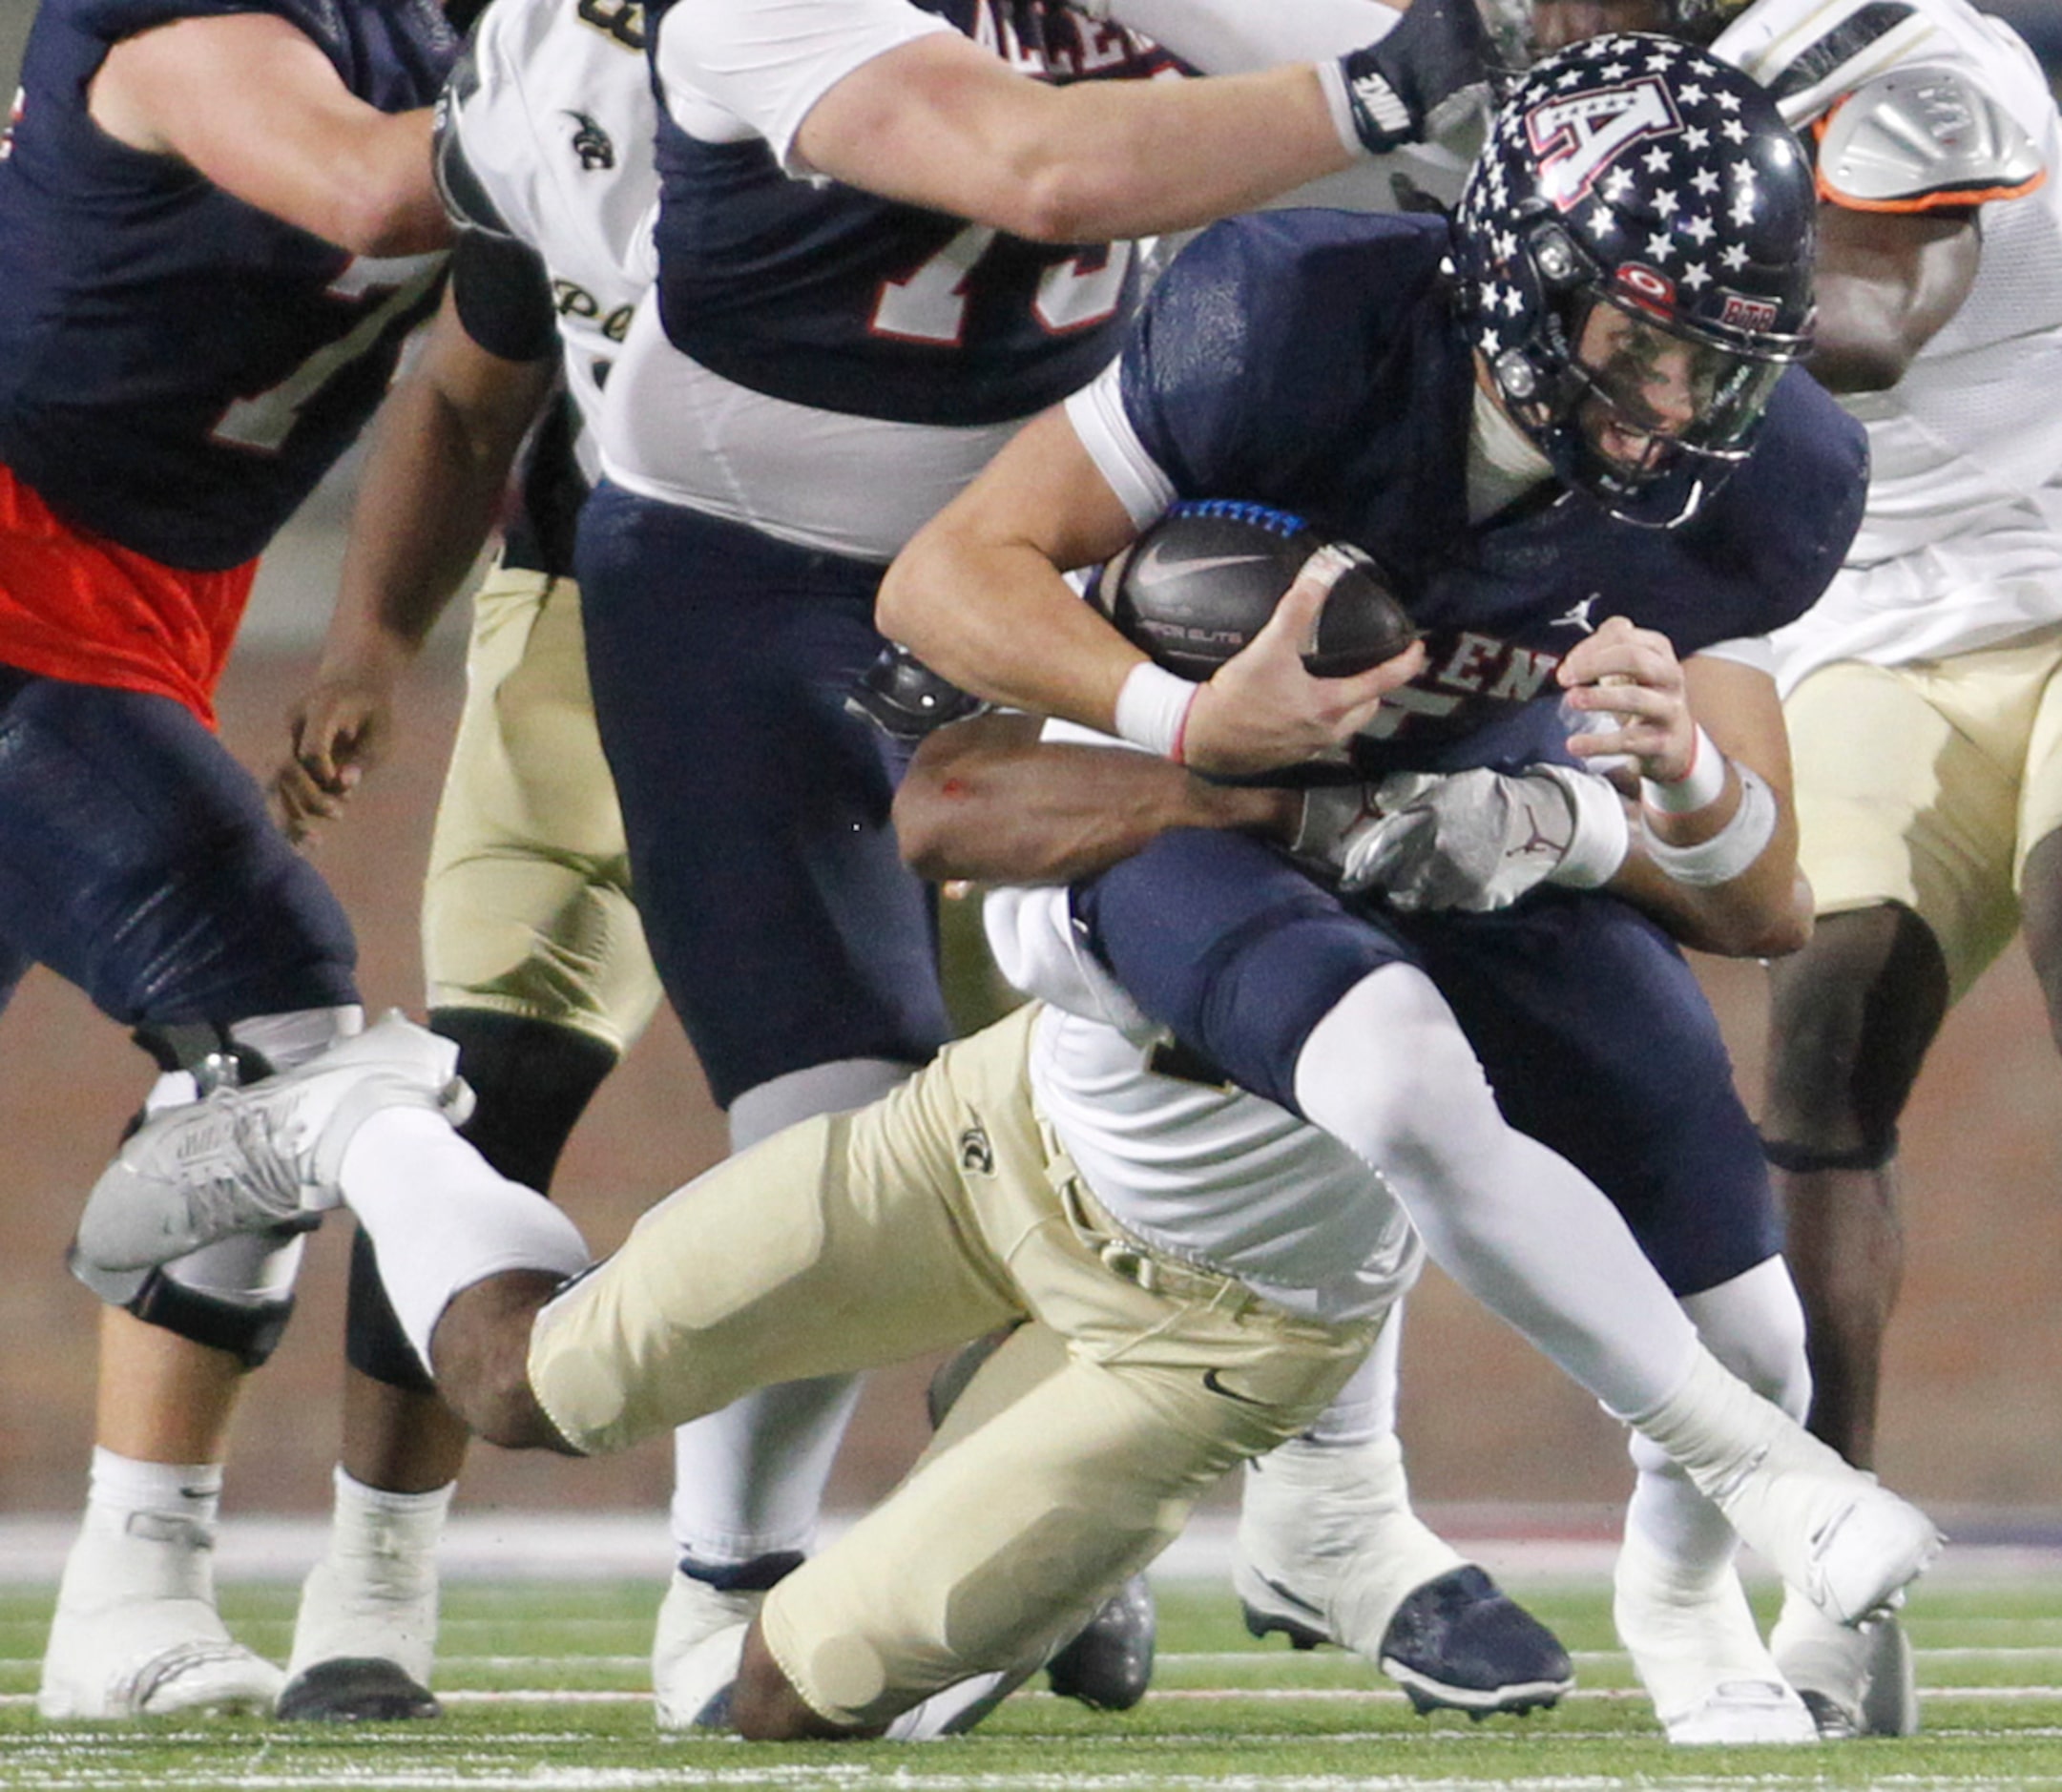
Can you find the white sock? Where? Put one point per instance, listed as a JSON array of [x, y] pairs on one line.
[[1364, 1408], [1755, 1328], [442, 1219], [369, 1518], [149, 1532], [748, 1480], [835, 1087], [1389, 1073], [121, 1485]]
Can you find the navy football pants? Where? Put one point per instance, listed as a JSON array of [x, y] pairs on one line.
[[784, 923], [138, 860]]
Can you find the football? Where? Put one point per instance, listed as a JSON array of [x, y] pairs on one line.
[[1201, 582]]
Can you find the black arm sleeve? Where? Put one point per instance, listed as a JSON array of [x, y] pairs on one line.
[[504, 296]]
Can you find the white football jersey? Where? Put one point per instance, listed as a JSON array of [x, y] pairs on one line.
[[1962, 543], [558, 131], [1204, 1172]]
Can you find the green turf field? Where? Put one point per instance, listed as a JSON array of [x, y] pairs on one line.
[[545, 1688]]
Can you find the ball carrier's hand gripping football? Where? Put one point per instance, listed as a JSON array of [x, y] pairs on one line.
[[1265, 616]]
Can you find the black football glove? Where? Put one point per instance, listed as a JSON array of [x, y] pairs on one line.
[[905, 700], [1439, 49]]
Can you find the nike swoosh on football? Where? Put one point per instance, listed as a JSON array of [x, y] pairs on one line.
[[1156, 562], [1216, 1384]]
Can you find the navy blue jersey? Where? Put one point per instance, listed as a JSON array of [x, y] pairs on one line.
[[825, 296], [179, 369], [1311, 360]]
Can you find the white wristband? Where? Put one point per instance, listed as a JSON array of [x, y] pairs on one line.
[[1602, 834], [1698, 789], [1153, 709], [1732, 849]]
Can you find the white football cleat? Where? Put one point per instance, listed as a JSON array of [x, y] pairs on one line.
[[1329, 1552], [1844, 1541], [695, 1649], [1736, 1713], [135, 1633], [365, 1636], [1890, 1707], [1700, 1655], [1857, 1682], [259, 1158]]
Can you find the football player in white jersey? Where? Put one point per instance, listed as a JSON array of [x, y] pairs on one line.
[[1920, 692], [536, 961]]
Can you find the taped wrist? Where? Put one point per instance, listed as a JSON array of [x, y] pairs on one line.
[[1729, 852], [1701, 783], [1153, 709]]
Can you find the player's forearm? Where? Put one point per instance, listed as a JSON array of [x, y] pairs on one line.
[[1129, 160], [996, 619], [940, 123], [1764, 912], [428, 500], [986, 800]]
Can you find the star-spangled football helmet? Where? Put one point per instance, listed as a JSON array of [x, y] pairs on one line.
[[1633, 253]]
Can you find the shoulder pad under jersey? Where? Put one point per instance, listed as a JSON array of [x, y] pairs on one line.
[[1923, 137]]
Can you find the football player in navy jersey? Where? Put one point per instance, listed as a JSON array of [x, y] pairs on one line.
[[1565, 427], [887, 233], [220, 225]]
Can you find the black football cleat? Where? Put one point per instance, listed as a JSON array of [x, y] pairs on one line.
[[1109, 1665], [354, 1689], [1461, 1643]]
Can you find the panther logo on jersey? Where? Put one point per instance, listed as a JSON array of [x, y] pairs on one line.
[[592, 144]]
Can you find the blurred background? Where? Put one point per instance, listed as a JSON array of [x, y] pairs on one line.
[[1973, 1406]]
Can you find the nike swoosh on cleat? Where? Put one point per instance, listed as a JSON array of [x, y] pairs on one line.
[[1285, 1594]]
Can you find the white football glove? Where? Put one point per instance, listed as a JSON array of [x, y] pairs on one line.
[[1474, 840]]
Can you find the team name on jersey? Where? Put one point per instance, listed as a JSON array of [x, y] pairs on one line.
[[575, 301], [1468, 666]]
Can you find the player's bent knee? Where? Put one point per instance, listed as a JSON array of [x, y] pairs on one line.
[[480, 1356], [1851, 1018], [765, 1707]]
